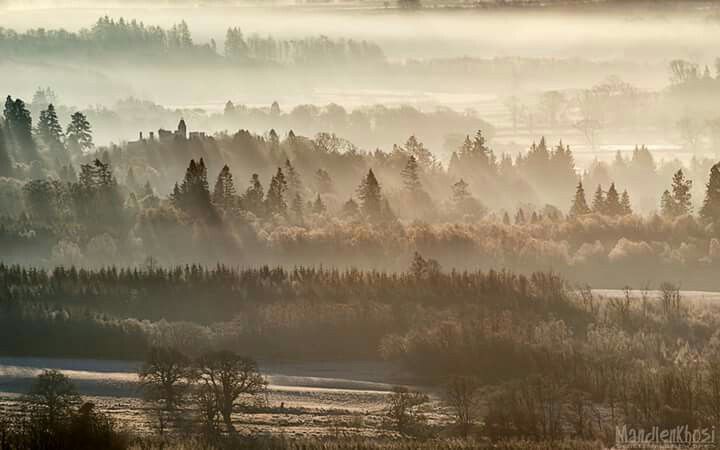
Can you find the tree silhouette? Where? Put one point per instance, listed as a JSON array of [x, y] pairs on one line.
[[370, 195], [50, 132], [79, 134], [193, 195], [254, 195], [598, 203], [612, 202], [275, 200], [579, 206], [224, 192], [710, 211]]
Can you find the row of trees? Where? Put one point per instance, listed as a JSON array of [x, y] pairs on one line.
[[44, 145], [109, 38]]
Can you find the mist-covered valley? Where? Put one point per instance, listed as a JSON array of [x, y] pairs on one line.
[[369, 225]]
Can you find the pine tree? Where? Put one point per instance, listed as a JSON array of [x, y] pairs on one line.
[[275, 200], [193, 194], [506, 218], [79, 134], [50, 132], [254, 195], [224, 192], [18, 123], [370, 195], [520, 217], [598, 203], [411, 177], [625, 206], [681, 194], [710, 211], [612, 201], [6, 164], [579, 206], [423, 157]]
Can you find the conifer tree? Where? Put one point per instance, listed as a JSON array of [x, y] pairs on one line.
[[506, 218], [50, 132], [370, 195], [598, 203], [612, 201], [579, 206], [79, 134], [6, 164], [224, 191], [411, 177], [520, 217], [193, 194], [710, 211], [625, 206], [682, 197], [18, 123], [275, 200], [254, 195]]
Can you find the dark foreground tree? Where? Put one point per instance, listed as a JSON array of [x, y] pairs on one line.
[[52, 397], [229, 377], [461, 393], [403, 410], [710, 211], [579, 206], [166, 377]]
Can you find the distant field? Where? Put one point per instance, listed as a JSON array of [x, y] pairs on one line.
[[318, 398]]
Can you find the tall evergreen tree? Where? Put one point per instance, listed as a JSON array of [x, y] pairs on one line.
[[79, 134], [598, 203], [625, 205], [18, 124], [254, 195], [224, 192], [50, 133], [681, 192], [411, 176], [193, 194], [275, 200], [6, 164], [370, 195], [710, 211], [612, 201], [579, 206]]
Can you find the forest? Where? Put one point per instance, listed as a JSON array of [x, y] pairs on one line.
[[359, 225]]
